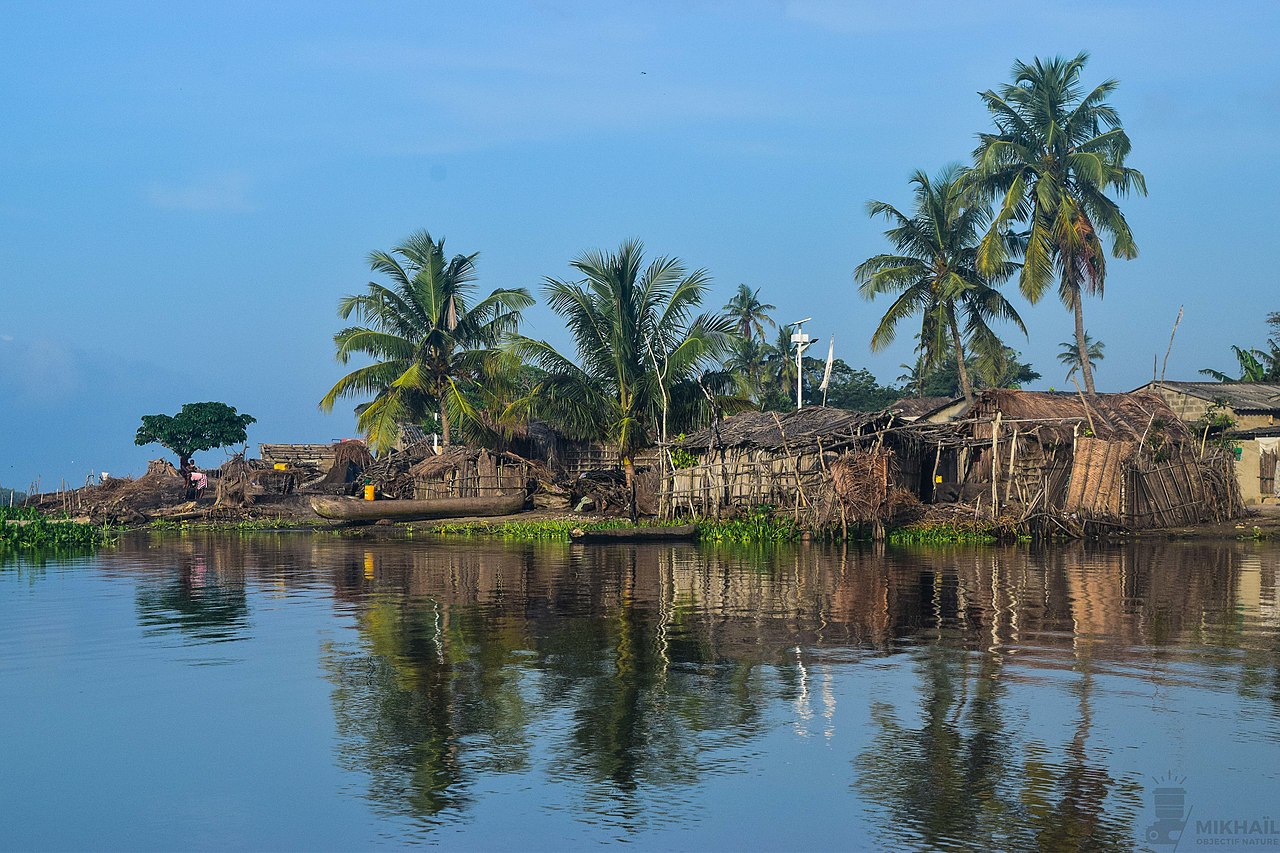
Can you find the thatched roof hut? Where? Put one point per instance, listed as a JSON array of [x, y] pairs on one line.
[[801, 430], [1110, 417], [1107, 461], [782, 460], [465, 472]]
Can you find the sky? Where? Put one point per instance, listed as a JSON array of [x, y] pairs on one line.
[[187, 189]]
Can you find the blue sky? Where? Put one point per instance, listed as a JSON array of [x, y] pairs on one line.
[[188, 189]]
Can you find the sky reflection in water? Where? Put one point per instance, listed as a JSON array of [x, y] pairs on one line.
[[289, 691]]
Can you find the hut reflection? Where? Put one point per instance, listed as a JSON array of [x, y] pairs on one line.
[[630, 673]]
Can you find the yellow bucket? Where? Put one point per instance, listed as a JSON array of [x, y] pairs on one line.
[[369, 492]]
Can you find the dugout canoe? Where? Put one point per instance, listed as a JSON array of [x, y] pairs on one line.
[[354, 509], [680, 533]]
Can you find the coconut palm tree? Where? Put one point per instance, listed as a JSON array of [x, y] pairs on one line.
[[912, 377], [640, 348], [426, 336], [779, 375], [934, 274], [748, 313], [746, 365], [1069, 354], [1056, 152]]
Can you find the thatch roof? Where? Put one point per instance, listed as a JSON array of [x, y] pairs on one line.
[[1109, 416], [910, 408], [456, 456], [1240, 396], [798, 430]]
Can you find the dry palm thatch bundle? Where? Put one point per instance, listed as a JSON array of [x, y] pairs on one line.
[[235, 483], [390, 474], [350, 460], [863, 481], [601, 492]]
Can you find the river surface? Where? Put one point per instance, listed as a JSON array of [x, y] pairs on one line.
[[292, 691]]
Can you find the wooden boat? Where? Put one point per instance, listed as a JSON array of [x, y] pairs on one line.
[[354, 509], [681, 533]]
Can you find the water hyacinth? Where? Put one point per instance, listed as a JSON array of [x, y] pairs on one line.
[[23, 528]]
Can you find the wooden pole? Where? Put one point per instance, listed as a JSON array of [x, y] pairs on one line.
[[933, 479], [995, 466], [1013, 451]]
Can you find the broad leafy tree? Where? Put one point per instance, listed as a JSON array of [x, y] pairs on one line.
[[426, 334], [852, 388], [196, 427], [933, 273], [1057, 150]]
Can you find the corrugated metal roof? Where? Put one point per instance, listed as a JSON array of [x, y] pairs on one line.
[[1256, 432], [1241, 396]]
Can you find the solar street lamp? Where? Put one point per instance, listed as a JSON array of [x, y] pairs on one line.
[[802, 342]]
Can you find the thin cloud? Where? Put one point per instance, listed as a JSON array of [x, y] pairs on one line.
[[226, 192]]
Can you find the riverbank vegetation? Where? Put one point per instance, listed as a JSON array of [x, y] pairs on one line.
[[25, 529], [651, 359]]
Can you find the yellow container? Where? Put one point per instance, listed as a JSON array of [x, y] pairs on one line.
[[281, 466], [368, 492]]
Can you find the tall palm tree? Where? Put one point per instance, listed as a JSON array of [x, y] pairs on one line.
[[1069, 354], [1056, 152], [746, 364], [780, 365], [912, 378], [425, 335], [748, 313], [640, 348], [934, 274]]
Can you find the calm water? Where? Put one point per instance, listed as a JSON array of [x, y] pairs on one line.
[[296, 692]]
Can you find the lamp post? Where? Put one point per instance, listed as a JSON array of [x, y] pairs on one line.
[[802, 342]]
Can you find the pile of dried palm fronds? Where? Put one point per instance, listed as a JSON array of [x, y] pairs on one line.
[[120, 500], [600, 492], [390, 475], [863, 482], [236, 485], [350, 461]]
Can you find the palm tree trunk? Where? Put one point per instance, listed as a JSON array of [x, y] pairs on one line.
[[961, 370], [1082, 348], [444, 425], [629, 467]]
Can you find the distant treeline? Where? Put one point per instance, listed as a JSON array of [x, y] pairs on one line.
[[8, 496]]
